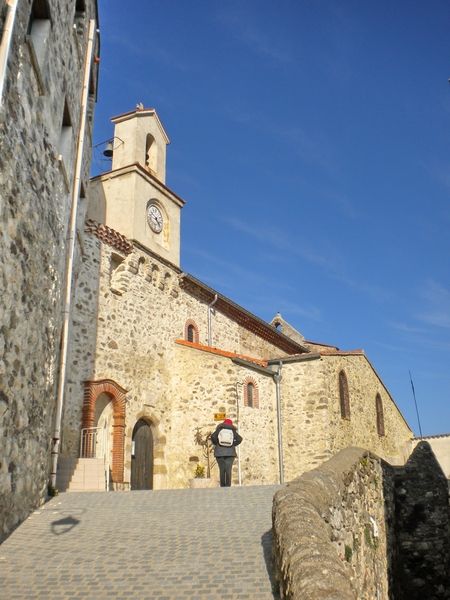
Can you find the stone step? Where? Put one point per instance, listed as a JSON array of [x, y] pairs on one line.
[[80, 474]]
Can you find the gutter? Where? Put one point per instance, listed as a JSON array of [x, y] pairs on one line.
[[210, 311], [277, 379]]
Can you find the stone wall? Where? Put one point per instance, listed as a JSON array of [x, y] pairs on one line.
[[313, 428], [35, 198], [421, 529], [142, 311], [329, 532], [361, 428], [357, 528]]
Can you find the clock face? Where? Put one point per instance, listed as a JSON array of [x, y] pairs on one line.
[[154, 218]]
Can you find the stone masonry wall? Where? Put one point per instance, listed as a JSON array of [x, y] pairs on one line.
[[361, 429], [206, 384], [34, 210], [357, 528], [142, 311], [305, 407], [421, 529], [329, 531], [313, 428]]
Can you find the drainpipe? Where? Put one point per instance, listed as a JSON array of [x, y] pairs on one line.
[[277, 379], [210, 310], [70, 254], [6, 42], [238, 383]]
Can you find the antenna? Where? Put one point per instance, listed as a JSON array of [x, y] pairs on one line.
[[415, 402]]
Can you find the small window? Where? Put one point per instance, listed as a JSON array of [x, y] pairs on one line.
[[191, 332], [344, 397], [380, 415], [66, 139], [251, 396], [116, 261], [39, 27]]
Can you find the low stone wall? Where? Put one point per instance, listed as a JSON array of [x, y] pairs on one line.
[[329, 533], [357, 528]]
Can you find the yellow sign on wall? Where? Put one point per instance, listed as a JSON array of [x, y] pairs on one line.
[[219, 416]]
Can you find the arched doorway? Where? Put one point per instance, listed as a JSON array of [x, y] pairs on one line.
[[107, 389], [142, 457]]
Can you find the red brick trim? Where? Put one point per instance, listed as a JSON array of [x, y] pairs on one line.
[[109, 236], [92, 390], [225, 353], [191, 323], [249, 381]]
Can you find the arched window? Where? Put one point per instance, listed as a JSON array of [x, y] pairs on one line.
[[344, 397], [151, 153], [380, 415], [191, 331], [251, 396]]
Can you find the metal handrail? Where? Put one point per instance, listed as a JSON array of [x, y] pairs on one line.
[[94, 443]]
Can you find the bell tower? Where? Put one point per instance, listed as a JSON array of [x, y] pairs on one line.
[[132, 198]]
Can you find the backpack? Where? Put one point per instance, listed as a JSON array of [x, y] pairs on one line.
[[226, 437]]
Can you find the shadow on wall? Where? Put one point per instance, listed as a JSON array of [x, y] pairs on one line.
[[267, 543], [357, 528], [419, 533]]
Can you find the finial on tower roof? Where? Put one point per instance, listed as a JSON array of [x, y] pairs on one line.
[[139, 106]]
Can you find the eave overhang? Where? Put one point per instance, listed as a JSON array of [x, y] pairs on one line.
[[240, 316]]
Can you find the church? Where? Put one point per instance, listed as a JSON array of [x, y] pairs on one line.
[[157, 356]]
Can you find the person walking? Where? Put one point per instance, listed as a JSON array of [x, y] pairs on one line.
[[225, 439]]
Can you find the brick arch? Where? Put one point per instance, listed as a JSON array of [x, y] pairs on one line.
[[254, 401], [92, 390]]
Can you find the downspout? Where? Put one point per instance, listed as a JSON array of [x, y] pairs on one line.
[[70, 254], [238, 383], [210, 310], [6, 42], [277, 379]]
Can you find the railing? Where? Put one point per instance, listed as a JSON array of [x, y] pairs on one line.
[[94, 443]]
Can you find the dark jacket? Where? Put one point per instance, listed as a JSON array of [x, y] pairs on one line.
[[225, 450]]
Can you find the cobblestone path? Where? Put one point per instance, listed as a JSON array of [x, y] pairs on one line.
[[164, 545]]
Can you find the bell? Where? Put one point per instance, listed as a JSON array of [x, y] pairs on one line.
[[108, 151]]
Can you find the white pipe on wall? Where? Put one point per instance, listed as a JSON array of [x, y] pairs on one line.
[[71, 253], [238, 449], [5, 43], [210, 309], [277, 379]]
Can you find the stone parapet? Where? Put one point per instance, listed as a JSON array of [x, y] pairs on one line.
[[358, 528], [329, 539]]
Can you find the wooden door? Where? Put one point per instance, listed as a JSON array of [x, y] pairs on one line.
[[142, 457]]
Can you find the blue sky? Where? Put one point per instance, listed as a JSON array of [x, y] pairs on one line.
[[311, 141]]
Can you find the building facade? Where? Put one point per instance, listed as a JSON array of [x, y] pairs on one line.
[[156, 353], [48, 78]]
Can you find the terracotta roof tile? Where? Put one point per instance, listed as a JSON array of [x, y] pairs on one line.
[[225, 353]]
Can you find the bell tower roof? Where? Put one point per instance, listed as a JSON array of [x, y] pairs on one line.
[[140, 138]]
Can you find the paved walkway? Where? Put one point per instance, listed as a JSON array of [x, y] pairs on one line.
[[163, 545]]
